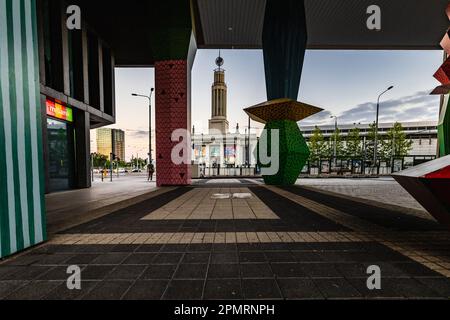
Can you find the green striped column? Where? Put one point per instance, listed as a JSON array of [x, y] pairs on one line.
[[444, 128], [22, 215]]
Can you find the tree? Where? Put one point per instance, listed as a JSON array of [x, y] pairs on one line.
[[100, 160], [327, 151], [138, 163], [337, 142], [317, 145], [396, 143], [354, 144], [370, 142]]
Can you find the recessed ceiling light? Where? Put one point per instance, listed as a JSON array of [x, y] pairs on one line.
[[230, 28]]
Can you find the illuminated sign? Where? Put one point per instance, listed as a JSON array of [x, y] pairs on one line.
[[56, 110]]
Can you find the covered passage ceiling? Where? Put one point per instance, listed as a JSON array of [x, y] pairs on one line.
[[129, 26], [332, 24]]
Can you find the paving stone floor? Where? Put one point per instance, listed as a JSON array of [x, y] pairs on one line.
[[369, 188], [316, 246]]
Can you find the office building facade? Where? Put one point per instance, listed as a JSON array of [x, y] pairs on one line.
[[76, 72], [111, 141]]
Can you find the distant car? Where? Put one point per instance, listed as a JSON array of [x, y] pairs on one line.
[[136, 171]]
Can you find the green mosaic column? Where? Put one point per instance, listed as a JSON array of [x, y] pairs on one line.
[[294, 152], [283, 115], [22, 206]]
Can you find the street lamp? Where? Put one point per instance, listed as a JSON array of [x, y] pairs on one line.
[[375, 148], [335, 138], [248, 143], [150, 119]]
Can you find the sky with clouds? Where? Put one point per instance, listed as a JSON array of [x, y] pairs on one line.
[[419, 106], [343, 83]]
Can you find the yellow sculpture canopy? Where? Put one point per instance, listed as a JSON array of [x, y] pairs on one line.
[[281, 109]]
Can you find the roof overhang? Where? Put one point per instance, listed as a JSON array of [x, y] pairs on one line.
[[406, 24], [129, 26]]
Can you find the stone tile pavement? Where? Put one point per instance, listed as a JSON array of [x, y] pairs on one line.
[[200, 204], [375, 189], [65, 209], [318, 247]]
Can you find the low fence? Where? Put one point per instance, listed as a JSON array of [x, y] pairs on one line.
[[324, 167], [216, 172], [363, 167]]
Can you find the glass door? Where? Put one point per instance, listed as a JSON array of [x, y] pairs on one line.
[[60, 151]]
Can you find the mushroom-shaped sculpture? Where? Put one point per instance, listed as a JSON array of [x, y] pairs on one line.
[[283, 115]]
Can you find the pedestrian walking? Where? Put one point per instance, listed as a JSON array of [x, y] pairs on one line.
[[150, 171]]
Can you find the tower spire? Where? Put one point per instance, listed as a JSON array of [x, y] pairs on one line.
[[219, 99], [220, 61]]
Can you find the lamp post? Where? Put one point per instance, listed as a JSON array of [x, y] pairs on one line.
[[92, 167], [150, 120], [375, 147], [248, 143], [335, 138]]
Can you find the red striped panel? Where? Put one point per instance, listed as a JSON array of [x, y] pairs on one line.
[[443, 74], [443, 173]]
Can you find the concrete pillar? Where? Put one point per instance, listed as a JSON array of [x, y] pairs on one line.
[[212, 105], [220, 102], [223, 106], [225, 99], [216, 112], [82, 150]]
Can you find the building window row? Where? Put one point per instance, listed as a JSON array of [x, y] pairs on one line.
[[79, 51]]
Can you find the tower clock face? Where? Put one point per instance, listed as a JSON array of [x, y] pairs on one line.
[[219, 61]]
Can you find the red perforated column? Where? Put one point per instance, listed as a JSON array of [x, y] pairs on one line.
[[172, 113]]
